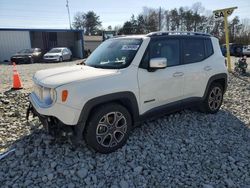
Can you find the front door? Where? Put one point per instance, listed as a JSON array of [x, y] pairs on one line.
[[163, 86]]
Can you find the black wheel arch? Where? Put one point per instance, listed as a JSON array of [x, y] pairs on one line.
[[126, 99], [218, 78]]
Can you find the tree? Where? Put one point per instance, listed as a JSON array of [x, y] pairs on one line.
[[79, 20], [89, 21], [109, 27], [152, 21], [175, 20], [126, 29], [141, 25], [194, 18]]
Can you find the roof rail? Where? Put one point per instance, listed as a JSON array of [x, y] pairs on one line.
[[163, 33]]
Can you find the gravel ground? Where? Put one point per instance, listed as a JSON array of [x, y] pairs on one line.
[[185, 149]]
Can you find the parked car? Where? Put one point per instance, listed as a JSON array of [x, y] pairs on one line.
[[58, 54], [27, 56], [235, 49], [246, 50], [126, 80]]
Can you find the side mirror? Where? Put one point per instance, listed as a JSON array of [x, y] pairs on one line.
[[158, 63]]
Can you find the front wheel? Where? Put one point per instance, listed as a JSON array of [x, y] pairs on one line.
[[108, 128], [213, 100]]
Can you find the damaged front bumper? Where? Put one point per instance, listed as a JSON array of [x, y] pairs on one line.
[[51, 124]]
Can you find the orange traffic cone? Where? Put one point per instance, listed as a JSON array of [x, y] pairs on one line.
[[16, 79]]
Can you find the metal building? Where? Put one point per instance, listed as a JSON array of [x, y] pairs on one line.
[[14, 40]]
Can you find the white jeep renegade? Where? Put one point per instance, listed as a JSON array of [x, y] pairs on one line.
[[127, 79]]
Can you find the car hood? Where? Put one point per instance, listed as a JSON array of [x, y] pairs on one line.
[[56, 77], [53, 54]]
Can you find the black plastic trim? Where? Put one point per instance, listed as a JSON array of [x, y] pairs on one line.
[[161, 110]]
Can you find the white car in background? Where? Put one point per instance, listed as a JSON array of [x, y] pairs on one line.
[[58, 54], [246, 50]]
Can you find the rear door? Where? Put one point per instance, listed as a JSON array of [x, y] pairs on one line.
[[196, 65]]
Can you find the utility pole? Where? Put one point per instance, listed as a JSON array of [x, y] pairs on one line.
[[67, 5], [160, 19]]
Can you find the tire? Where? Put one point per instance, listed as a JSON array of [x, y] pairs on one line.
[[60, 59], [103, 132], [213, 100]]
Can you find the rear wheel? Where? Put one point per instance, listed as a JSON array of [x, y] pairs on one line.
[[108, 128], [213, 100]]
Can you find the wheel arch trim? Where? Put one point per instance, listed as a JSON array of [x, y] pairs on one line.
[[221, 76], [126, 98]]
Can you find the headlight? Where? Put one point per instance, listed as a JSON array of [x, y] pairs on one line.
[[46, 95], [53, 95], [29, 56]]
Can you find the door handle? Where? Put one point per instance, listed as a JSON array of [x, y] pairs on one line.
[[207, 68], [178, 74]]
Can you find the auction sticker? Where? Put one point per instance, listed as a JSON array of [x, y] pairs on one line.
[[130, 47]]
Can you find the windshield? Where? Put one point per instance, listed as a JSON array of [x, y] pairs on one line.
[[26, 51], [55, 50], [114, 53]]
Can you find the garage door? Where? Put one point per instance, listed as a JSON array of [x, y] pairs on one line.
[[12, 42]]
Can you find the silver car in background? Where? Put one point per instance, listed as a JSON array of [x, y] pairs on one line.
[[58, 54]]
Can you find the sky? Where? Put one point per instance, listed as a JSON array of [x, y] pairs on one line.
[[53, 13]]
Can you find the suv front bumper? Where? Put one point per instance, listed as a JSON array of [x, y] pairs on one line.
[[64, 113]]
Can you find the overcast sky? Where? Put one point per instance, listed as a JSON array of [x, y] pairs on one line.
[[53, 13]]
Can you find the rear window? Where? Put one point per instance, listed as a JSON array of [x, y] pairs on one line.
[[193, 50]]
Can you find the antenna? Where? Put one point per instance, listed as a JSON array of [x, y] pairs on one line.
[[67, 5]]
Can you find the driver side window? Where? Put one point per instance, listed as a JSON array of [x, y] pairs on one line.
[[167, 48]]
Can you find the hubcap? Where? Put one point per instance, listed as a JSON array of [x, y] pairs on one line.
[[111, 129], [215, 98]]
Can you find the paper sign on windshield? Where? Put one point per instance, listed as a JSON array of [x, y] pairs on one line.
[[130, 47]]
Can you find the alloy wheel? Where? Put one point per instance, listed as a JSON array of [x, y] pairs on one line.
[[215, 98], [111, 129]]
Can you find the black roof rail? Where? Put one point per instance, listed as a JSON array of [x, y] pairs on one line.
[[163, 33]]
